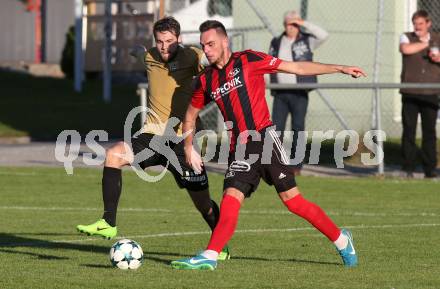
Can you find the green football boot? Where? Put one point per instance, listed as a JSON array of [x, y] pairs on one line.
[[225, 254], [99, 228]]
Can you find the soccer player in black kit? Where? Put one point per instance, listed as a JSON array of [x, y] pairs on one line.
[[235, 82]]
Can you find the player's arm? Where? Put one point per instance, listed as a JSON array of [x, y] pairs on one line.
[[315, 68], [138, 52], [189, 127], [202, 60]]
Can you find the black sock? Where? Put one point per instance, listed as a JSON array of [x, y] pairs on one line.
[[212, 218], [111, 190]]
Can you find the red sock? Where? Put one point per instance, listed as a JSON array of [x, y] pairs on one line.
[[229, 209], [314, 215]]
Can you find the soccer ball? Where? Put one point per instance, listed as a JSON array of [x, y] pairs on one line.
[[126, 254]]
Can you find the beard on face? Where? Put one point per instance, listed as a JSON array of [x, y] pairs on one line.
[[172, 51]]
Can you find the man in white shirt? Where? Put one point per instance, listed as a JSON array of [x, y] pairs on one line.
[[421, 64]]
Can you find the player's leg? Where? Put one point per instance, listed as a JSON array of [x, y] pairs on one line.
[[207, 207], [311, 212], [229, 211], [197, 186], [241, 180], [210, 212], [117, 156], [277, 174]]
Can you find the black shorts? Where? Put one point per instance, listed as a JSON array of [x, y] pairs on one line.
[[271, 165], [152, 150]]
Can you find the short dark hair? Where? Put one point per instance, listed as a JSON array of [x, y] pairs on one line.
[[421, 14], [168, 23], [213, 24]]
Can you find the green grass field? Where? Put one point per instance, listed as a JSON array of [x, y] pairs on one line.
[[395, 224]]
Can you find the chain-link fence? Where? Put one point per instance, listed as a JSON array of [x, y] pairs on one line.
[[433, 7], [362, 33]]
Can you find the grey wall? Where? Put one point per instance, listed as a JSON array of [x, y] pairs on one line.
[[16, 32], [60, 15]]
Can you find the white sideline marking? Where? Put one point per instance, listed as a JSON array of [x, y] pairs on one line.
[[28, 174], [24, 208], [17, 174], [177, 234], [365, 214], [192, 211]]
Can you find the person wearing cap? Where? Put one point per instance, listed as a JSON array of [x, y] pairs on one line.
[[297, 43]]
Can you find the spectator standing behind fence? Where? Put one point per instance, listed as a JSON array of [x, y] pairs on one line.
[[421, 64], [296, 43]]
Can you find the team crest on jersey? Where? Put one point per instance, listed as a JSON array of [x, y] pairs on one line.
[[173, 66], [234, 72]]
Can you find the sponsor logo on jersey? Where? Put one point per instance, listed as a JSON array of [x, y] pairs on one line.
[[240, 166], [226, 88]]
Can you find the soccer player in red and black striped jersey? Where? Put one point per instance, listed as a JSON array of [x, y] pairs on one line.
[[235, 82]]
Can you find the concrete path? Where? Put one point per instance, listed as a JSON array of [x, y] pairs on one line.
[[42, 154]]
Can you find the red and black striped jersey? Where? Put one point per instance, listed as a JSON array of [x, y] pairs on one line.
[[239, 91]]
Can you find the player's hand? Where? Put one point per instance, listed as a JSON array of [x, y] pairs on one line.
[[193, 159], [138, 51], [353, 71]]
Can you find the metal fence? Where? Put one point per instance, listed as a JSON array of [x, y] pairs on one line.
[[433, 7], [362, 33]]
